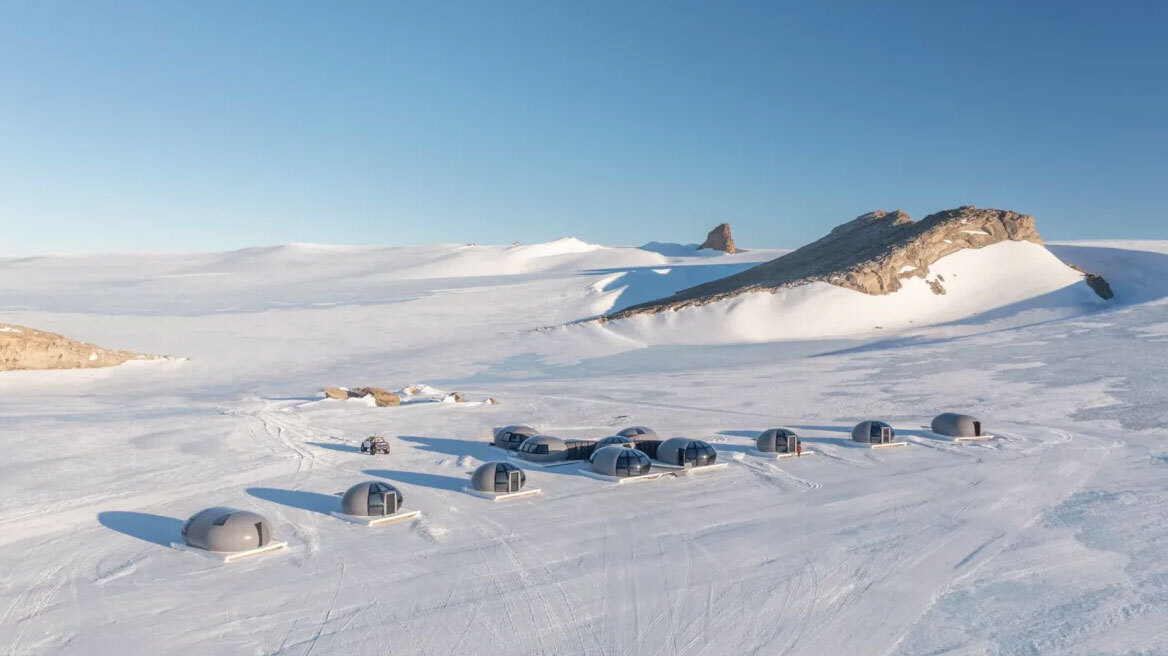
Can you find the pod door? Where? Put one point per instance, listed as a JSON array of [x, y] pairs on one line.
[[513, 480], [382, 502], [263, 534], [977, 429]]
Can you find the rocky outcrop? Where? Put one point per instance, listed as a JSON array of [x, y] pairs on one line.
[[719, 239], [1096, 282], [383, 398], [871, 254], [1099, 286], [26, 348]]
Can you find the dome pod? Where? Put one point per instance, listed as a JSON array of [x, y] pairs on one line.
[[500, 477], [227, 530], [371, 499]]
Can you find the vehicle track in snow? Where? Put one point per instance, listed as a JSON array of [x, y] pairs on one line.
[[773, 474], [40, 595], [558, 611]]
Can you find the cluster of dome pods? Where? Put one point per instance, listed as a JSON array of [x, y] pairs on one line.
[[230, 533], [783, 442], [629, 454]]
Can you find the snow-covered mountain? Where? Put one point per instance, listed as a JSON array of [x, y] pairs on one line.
[[879, 272], [1019, 281]]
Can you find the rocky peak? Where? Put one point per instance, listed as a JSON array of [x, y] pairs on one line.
[[719, 239]]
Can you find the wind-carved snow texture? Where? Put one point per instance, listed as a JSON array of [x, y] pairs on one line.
[[1048, 539]]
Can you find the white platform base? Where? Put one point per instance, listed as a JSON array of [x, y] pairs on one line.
[[683, 470], [544, 465], [229, 556], [928, 432], [628, 480], [502, 496], [888, 445], [398, 516], [717, 466], [779, 456]]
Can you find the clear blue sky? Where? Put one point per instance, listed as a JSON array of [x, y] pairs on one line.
[[213, 125]]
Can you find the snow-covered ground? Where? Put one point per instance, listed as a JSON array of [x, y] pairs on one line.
[[1051, 539]]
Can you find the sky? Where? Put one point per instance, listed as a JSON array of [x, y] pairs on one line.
[[214, 125]]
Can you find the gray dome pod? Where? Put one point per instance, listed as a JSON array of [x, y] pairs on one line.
[[955, 425], [778, 440], [510, 437], [616, 460], [874, 432], [497, 477], [615, 440], [371, 499], [227, 530], [682, 451], [635, 433], [543, 448]]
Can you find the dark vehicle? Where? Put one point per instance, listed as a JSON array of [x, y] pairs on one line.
[[375, 445]]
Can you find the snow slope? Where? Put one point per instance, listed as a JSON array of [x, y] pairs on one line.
[[1049, 540]]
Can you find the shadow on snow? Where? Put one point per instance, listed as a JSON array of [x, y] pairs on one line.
[[155, 529], [435, 481], [310, 501]]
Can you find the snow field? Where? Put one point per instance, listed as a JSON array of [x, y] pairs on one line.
[[1044, 540]]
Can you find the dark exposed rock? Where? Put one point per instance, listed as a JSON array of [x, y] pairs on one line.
[[1096, 283], [719, 239], [1100, 286]]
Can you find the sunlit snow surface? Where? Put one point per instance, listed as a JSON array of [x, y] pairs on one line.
[[1052, 539]]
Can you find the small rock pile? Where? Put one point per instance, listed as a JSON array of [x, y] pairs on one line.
[[412, 394], [382, 397]]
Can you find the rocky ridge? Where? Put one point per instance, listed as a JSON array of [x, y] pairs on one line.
[[27, 348], [872, 254]]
